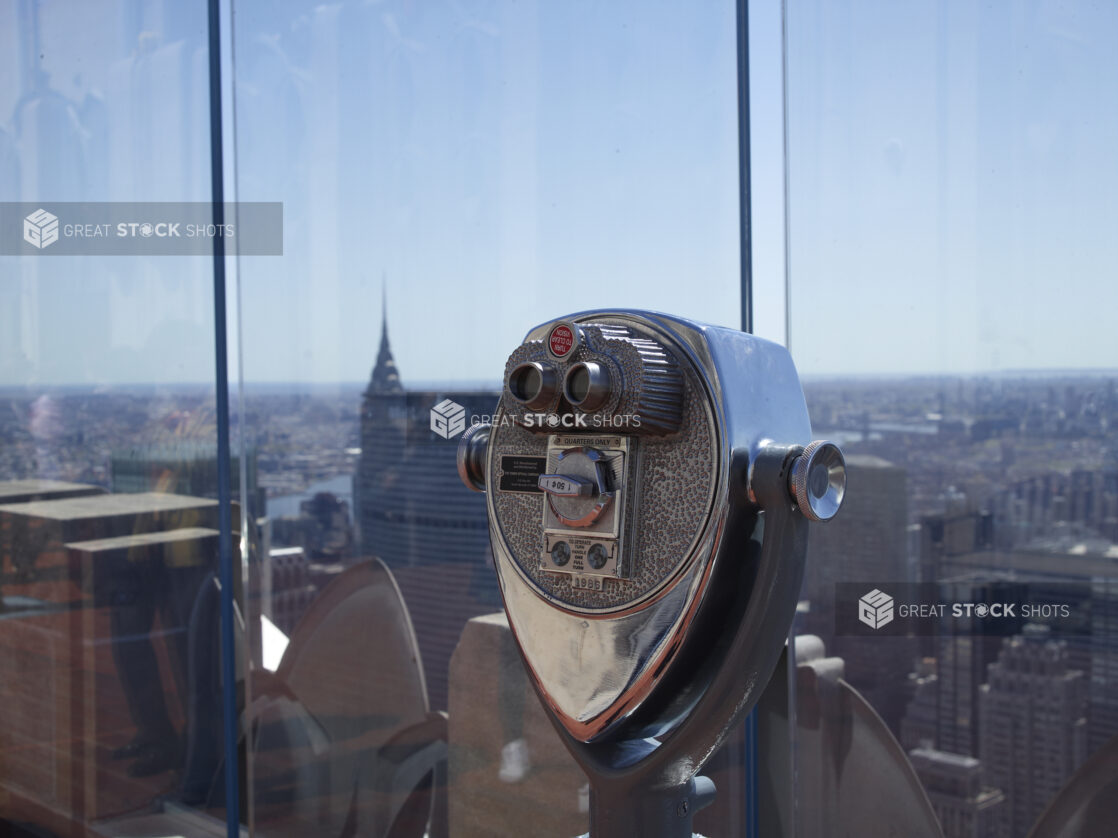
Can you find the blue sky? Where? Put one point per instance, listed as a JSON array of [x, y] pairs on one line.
[[951, 172], [953, 185]]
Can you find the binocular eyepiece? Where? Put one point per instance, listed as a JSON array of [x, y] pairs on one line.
[[606, 375], [533, 384], [586, 385]]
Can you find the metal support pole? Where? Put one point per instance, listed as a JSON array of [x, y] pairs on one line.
[[617, 812]]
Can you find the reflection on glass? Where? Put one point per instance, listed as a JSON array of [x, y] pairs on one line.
[[108, 510], [451, 175], [949, 171]]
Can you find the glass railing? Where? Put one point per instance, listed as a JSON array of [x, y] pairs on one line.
[[949, 182], [108, 465], [452, 175]]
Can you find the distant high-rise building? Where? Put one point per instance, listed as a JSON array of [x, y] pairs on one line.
[[183, 467], [414, 513], [1102, 692], [946, 535], [411, 507], [385, 378], [965, 808], [1033, 732], [868, 543], [965, 648], [944, 709], [961, 663], [920, 725], [1087, 583], [1053, 507], [1108, 513]]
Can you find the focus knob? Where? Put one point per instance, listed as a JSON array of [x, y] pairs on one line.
[[818, 480], [472, 450]]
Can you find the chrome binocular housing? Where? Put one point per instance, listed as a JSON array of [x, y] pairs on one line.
[[647, 480]]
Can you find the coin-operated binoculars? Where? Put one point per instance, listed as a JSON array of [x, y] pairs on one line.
[[650, 482]]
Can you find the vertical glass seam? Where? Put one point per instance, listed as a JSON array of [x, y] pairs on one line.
[[745, 243], [248, 535], [225, 518], [745, 191], [793, 826], [787, 176]]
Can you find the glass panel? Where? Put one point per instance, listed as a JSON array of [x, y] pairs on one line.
[[951, 208], [108, 518], [452, 174]]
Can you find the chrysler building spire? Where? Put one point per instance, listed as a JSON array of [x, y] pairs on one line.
[[386, 378]]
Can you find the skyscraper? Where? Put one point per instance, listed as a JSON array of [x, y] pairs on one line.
[[965, 808], [1088, 584], [965, 648], [1033, 732], [1102, 719], [920, 725], [867, 543], [415, 514]]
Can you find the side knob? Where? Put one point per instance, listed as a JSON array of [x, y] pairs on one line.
[[472, 450], [818, 480]]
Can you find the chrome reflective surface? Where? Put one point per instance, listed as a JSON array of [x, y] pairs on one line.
[[579, 496], [818, 480], [587, 385], [595, 670], [533, 384], [472, 449]]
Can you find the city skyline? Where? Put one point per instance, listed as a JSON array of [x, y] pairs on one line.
[[1033, 454]]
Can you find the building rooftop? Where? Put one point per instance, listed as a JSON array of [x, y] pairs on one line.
[[944, 758], [101, 506], [22, 491], [1028, 562], [143, 539]]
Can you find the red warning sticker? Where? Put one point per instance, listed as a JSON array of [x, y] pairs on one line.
[[561, 340]]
